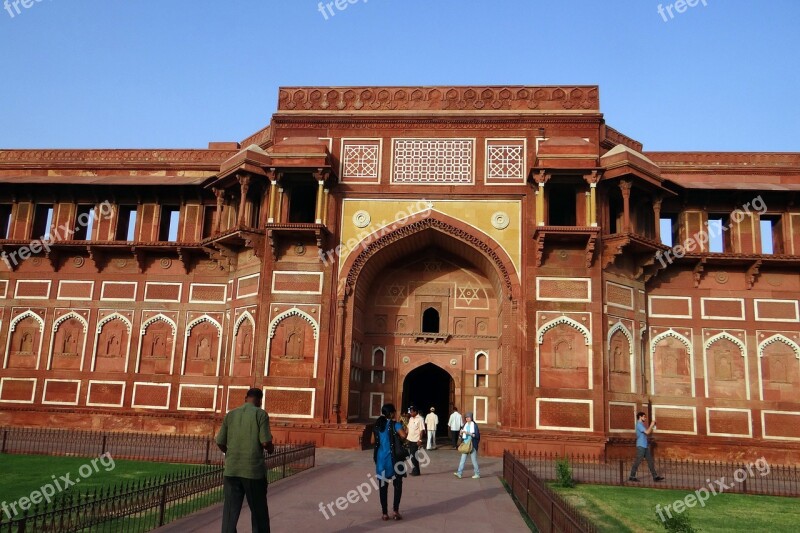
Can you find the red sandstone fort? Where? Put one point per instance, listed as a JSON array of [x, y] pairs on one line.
[[492, 248]]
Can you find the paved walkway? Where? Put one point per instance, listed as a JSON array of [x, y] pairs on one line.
[[434, 501]]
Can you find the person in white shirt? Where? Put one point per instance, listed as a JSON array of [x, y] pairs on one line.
[[454, 425], [431, 421], [416, 425]]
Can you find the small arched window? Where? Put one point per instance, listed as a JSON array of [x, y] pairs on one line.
[[430, 321]]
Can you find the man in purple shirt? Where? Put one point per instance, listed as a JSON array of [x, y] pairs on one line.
[[643, 448]]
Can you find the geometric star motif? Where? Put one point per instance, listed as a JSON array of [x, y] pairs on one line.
[[396, 292], [433, 266], [468, 293]]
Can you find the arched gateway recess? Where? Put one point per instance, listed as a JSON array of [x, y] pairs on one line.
[[430, 386], [453, 270]]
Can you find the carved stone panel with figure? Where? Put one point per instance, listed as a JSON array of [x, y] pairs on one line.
[[619, 362], [292, 348], [112, 346], [202, 347], [243, 350], [725, 364], [672, 364], [68, 345], [157, 344], [780, 372], [24, 345], [564, 359]]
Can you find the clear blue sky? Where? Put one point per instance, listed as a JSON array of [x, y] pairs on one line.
[[180, 73]]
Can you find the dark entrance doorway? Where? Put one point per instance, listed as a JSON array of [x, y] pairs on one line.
[[430, 386]]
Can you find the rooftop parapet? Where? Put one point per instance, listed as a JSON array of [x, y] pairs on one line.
[[561, 99]]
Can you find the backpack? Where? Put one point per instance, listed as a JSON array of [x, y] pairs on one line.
[[398, 448]]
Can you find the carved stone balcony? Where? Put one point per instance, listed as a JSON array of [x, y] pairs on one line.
[[641, 249], [100, 253], [584, 235], [751, 264], [295, 231], [224, 247]]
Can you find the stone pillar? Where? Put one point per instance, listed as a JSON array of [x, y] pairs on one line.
[[587, 211], [279, 210], [592, 180], [244, 185], [264, 211], [318, 210], [541, 179], [325, 200], [625, 187], [273, 193], [657, 214], [338, 364], [319, 175], [220, 194]]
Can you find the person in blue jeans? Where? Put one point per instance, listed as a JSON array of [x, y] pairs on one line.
[[470, 433], [643, 448]]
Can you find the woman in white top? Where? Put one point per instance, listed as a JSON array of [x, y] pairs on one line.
[[470, 433]]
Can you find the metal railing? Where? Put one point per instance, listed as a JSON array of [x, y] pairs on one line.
[[739, 477], [528, 475], [548, 511], [190, 449], [142, 505]]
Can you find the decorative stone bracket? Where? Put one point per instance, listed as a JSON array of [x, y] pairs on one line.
[[431, 338]]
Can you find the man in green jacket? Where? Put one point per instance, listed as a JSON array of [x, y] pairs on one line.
[[243, 437]]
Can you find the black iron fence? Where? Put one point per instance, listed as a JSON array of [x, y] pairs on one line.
[[528, 473], [191, 449], [548, 511], [747, 477], [140, 506]]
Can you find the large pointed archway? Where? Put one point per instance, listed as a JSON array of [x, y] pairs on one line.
[[475, 264], [430, 386]]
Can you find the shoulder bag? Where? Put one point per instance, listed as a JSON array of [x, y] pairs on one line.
[[399, 450]]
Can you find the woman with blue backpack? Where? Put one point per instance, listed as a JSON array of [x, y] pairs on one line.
[[389, 453]]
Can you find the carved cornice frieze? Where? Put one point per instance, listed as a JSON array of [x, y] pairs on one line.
[[568, 123], [723, 160], [615, 137], [258, 138], [144, 158], [371, 99]]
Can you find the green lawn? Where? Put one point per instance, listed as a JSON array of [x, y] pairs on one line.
[[624, 509], [23, 474]]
